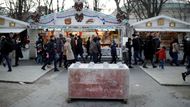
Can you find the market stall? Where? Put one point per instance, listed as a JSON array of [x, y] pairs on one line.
[[17, 27], [166, 27], [85, 23]]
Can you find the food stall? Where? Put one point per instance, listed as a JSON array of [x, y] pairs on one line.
[[85, 23], [166, 27], [9, 25]]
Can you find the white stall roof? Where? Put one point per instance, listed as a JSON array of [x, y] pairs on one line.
[[180, 26], [91, 19], [11, 30]]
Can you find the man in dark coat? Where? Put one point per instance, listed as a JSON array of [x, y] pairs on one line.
[[51, 54], [6, 48], [60, 47], [185, 74], [18, 51], [99, 50], [136, 47], [88, 48], [113, 52], [80, 50], [129, 47], [149, 51]]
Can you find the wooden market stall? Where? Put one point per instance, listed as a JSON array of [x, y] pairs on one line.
[[85, 23], [9, 25], [167, 28]]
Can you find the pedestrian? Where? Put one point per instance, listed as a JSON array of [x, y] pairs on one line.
[[69, 53], [113, 52], [99, 50], [79, 49], [18, 51], [175, 51], [39, 50], [136, 48], [184, 41], [74, 45], [7, 46], [161, 56], [94, 49], [60, 47], [88, 48], [129, 45], [185, 74], [149, 51], [156, 43], [51, 54]]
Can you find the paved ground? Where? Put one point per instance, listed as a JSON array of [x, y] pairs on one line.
[[27, 73], [51, 91], [171, 75]]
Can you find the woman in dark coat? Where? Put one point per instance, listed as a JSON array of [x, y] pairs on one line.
[[149, 51], [113, 52]]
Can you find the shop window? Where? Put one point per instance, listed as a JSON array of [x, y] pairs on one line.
[[160, 22], [2, 21], [149, 24]]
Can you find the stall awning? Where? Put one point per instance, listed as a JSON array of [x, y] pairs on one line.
[[162, 30], [11, 30]]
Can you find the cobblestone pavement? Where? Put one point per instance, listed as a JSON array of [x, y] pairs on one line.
[[51, 91]]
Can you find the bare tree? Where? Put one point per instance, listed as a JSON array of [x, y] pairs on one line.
[[96, 5], [19, 8], [49, 4]]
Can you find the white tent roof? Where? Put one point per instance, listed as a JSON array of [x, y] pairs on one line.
[[6, 28], [57, 20], [180, 26], [10, 30]]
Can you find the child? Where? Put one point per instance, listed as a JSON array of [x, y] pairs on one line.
[[162, 56]]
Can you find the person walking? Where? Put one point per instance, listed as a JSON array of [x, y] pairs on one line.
[[136, 48], [18, 51], [94, 49], [149, 52], [39, 49], [80, 50], [51, 54], [88, 48], [99, 50], [74, 45], [185, 49], [156, 43], [7, 46], [60, 47], [129, 45], [113, 52], [185, 74], [161, 56], [175, 51], [68, 53]]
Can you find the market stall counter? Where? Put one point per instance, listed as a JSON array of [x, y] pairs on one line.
[[98, 81]]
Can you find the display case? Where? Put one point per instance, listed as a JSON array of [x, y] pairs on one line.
[[98, 81]]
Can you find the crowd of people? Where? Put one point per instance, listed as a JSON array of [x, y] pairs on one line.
[[63, 51], [154, 53], [66, 50]]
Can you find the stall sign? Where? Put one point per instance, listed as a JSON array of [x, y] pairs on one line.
[[160, 22], [90, 21], [149, 24], [172, 24], [68, 21], [12, 24], [2, 21]]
